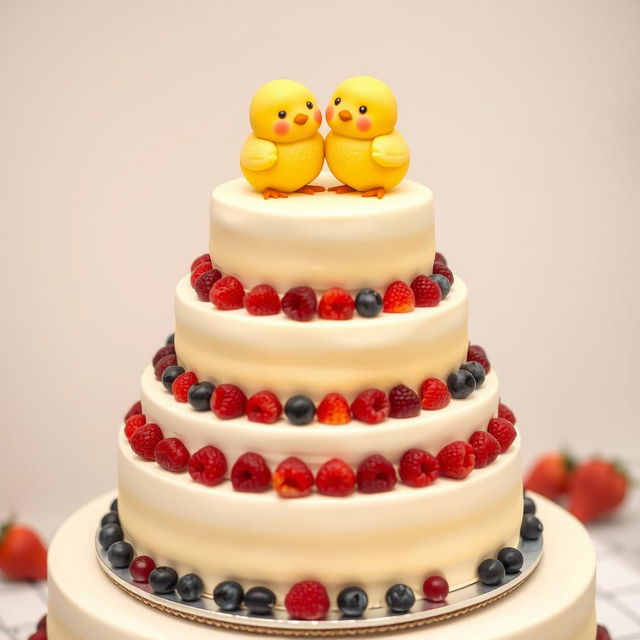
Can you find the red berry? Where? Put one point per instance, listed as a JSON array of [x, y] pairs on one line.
[[262, 300], [204, 258], [335, 478], [404, 402], [133, 423], [208, 466], [40, 634], [163, 363], [426, 292], [376, 475], [228, 401], [181, 385], [307, 600], [264, 407], [503, 431], [42, 623], [145, 439], [443, 270], [202, 268], [485, 448], [336, 304], [456, 460], [506, 413], [476, 353], [227, 294], [371, 406], [334, 409], [205, 282], [135, 410], [167, 350], [602, 633], [300, 303], [250, 473], [172, 455], [440, 258], [398, 298], [435, 589], [434, 394], [419, 468], [292, 478], [141, 568]]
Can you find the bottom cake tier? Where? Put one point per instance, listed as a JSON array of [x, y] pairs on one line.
[[557, 601]]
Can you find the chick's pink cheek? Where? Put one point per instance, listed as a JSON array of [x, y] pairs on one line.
[[329, 113], [363, 123], [281, 128], [318, 116]]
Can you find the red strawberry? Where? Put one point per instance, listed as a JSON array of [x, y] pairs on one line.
[[41, 634], [171, 455], [334, 409], [264, 407], [443, 270], [419, 468], [307, 600], [168, 361], [404, 402], [335, 478], [476, 353], [602, 633], [300, 303], [336, 304], [23, 556], [181, 385], [262, 300], [426, 292], [485, 448], [167, 350], [440, 258], [597, 488], [227, 294], [208, 466], [506, 413], [204, 283], [204, 258], [376, 475], [134, 411], [133, 423], [250, 473], [398, 298], [292, 478], [550, 475], [456, 460], [371, 406], [228, 401], [145, 439], [434, 394], [503, 431], [202, 268]]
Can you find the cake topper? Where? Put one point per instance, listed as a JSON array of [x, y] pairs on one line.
[[285, 152], [363, 149]]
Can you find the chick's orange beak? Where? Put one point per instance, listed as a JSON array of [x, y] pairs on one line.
[[345, 115], [301, 118]]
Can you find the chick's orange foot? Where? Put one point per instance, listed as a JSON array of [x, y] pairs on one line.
[[273, 193], [342, 188], [310, 189], [378, 192]]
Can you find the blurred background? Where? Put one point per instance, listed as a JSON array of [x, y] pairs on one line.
[[118, 118]]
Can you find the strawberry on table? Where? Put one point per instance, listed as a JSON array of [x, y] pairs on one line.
[[550, 475], [23, 556]]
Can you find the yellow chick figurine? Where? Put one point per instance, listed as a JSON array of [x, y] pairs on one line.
[[363, 149], [285, 152]]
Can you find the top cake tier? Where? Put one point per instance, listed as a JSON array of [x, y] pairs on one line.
[[322, 241]]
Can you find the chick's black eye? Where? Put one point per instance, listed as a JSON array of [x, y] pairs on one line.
[[309, 105], [362, 109], [337, 101], [282, 114]]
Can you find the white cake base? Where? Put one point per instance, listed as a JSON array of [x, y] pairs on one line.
[[557, 602]]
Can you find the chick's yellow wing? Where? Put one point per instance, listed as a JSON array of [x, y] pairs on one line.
[[258, 154], [390, 150]]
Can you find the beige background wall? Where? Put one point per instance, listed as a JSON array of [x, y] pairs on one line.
[[117, 118]]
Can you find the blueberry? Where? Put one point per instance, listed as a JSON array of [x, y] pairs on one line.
[[529, 505], [114, 506], [511, 559], [400, 598], [200, 395], [110, 518], [260, 600], [228, 595], [163, 580], [461, 384], [190, 587], [476, 370], [443, 283], [531, 528], [353, 601], [109, 534], [170, 374], [171, 338], [300, 410], [368, 303], [120, 554], [491, 572]]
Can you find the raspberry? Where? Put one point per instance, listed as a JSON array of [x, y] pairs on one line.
[[443, 270], [133, 423], [292, 478], [398, 298], [262, 300], [506, 413], [336, 304], [426, 292], [167, 350], [440, 258], [208, 466], [335, 478], [300, 303], [250, 473], [227, 294], [168, 361], [172, 455], [404, 402], [205, 282], [204, 258], [334, 409], [307, 600], [485, 448], [476, 353], [202, 268], [376, 475], [264, 407], [228, 401], [136, 409], [371, 406], [456, 460], [145, 439], [418, 468], [434, 394], [503, 431], [181, 385]]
